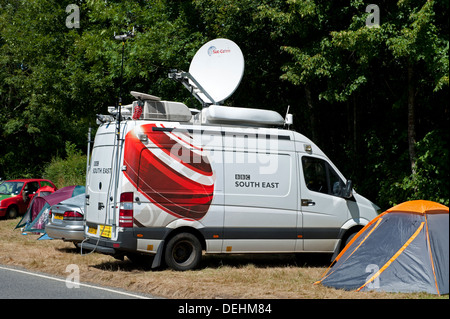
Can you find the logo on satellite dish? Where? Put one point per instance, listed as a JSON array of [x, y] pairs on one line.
[[213, 50]]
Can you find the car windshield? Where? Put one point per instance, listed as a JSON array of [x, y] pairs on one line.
[[12, 188]]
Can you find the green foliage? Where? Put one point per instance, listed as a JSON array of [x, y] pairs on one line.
[[431, 180], [346, 83], [68, 171], [364, 72]]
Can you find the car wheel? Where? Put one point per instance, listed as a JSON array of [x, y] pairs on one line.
[[183, 252], [11, 212]]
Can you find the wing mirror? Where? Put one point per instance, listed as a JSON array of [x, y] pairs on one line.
[[347, 191]]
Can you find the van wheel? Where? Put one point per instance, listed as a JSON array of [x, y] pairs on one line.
[[183, 252], [349, 239]]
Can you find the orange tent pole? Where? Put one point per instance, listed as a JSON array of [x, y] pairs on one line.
[[337, 258]]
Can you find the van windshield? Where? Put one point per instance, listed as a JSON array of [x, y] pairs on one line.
[[11, 188]]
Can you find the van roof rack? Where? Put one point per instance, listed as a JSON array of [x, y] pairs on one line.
[[155, 109], [218, 114]]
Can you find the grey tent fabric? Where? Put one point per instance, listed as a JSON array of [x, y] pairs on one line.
[[405, 249], [439, 240]]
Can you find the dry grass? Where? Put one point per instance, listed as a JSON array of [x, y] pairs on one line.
[[255, 276]]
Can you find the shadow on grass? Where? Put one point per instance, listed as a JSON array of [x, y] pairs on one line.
[[223, 260], [267, 260], [69, 250]]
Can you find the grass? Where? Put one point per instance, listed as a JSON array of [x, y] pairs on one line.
[[221, 276]]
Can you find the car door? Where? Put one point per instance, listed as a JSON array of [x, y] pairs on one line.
[[27, 195], [324, 210]]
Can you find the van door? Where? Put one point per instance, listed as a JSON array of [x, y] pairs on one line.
[[99, 185], [324, 210], [260, 204]]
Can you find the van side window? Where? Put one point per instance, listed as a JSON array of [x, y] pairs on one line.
[[321, 177], [315, 173]]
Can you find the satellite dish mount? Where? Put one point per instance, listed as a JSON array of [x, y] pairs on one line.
[[214, 73], [192, 85]]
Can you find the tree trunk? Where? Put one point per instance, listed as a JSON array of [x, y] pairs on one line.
[[355, 129], [411, 121], [313, 120]]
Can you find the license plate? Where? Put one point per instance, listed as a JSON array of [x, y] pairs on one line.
[[105, 231], [58, 216], [92, 230]]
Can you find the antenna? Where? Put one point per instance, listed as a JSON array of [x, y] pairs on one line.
[[123, 37], [288, 119], [214, 73]]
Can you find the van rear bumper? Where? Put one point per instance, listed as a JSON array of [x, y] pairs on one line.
[[98, 248], [125, 242]]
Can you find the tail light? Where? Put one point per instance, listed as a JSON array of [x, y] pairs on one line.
[[72, 215], [126, 210]]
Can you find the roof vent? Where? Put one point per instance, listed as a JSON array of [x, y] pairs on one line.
[[217, 114]]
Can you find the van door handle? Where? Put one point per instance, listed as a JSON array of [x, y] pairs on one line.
[[100, 206], [308, 202]]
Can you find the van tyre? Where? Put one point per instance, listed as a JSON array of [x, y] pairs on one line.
[[349, 239], [183, 252]]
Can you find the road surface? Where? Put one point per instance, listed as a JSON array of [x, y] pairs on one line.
[[16, 283]]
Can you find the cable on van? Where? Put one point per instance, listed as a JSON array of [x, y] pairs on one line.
[[115, 165], [123, 38]]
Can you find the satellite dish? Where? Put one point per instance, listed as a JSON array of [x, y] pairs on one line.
[[218, 66]]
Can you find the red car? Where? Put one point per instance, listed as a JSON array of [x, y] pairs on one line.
[[15, 195]]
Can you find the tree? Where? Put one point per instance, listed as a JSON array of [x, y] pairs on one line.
[[371, 72], [417, 40], [375, 99], [33, 96], [56, 79]]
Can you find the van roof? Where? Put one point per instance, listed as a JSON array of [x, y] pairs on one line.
[[149, 107]]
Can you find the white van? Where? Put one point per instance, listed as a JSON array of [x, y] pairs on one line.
[[226, 180]]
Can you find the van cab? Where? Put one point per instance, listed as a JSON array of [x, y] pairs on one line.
[[226, 180]]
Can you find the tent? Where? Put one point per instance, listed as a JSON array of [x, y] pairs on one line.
[[36, 216], [404, 249], [45, 190]]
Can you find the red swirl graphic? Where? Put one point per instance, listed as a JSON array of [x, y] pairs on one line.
[[170, 171]]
